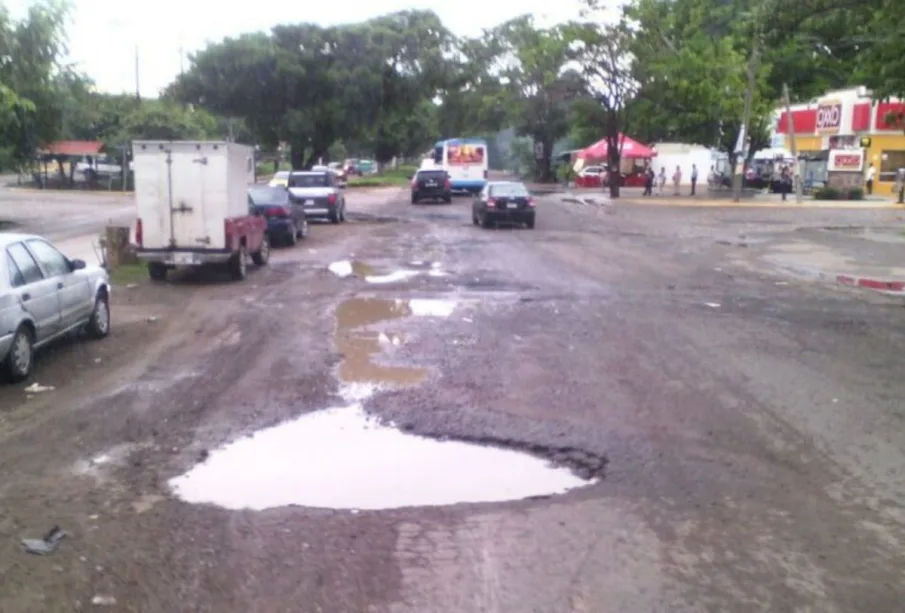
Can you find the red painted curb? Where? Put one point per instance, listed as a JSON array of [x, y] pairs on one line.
[[874, 284]]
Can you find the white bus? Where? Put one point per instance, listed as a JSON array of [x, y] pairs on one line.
[[465, 160]]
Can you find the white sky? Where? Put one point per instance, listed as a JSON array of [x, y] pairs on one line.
[[105, 33]]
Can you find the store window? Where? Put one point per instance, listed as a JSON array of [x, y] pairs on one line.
[[842, 142], [890, 163]]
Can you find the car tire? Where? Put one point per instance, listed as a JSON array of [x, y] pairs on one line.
[[342, 213], [19, 361], [414, 200], [447, 199], [474, 219], [293, 237], [238, 264], [485, 221], [99, 323], [303, 233], [262, 255], [530, 223], [334, 216], [157, 271]]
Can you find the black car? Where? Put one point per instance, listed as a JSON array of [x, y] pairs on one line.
[[286, 221], [431, 184], [503, 202]]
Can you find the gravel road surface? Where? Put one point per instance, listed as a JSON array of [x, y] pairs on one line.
[[743, 429]]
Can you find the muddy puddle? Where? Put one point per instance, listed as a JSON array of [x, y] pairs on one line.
[[362, 348], [375, 275], [340, 458]]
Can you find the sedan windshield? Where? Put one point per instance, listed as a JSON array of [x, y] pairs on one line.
[[308, 180], [268, 195]]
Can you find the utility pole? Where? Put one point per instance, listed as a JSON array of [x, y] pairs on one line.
[[137, 88], [790, 124]]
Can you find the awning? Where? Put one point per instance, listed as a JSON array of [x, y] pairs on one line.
[[630, 149]]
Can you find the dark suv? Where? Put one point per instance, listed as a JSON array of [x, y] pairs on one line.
[[431, 185]]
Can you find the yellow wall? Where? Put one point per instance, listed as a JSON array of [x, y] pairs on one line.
[[806, 143], [878, 144]]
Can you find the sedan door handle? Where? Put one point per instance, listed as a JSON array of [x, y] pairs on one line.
[[26, 297], [60, 285]]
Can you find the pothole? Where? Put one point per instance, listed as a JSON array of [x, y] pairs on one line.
[[371, 274], [340, 458]]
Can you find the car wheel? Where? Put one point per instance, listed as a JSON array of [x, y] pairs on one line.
[[293, 237], [157, 271], [303, 233], [474, 219], [485, 221], [21, 355], [238, 264], [342, 213], [530, 223], [99, 323], [334, 216], [447, 199], [414, 200], [262, 255]]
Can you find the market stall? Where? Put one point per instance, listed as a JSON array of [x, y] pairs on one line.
[[635, 158]]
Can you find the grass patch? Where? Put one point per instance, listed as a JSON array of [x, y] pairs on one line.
[[391, 177], [129, 274]]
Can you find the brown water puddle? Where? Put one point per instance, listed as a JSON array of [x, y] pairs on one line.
[[360, 348]]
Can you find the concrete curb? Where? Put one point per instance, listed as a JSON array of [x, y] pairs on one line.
[[888, 287]]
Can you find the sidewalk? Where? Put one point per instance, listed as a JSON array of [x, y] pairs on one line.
[[632, 196], [870, 258]]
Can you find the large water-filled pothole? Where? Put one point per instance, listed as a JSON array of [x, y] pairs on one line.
[[373, 274], [340, 458]]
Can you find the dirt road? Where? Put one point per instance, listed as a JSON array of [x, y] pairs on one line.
[[745, 431]]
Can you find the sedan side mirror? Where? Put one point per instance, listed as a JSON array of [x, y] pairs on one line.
[[77, 264]]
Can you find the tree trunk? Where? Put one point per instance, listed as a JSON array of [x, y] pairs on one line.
[[297, 156]]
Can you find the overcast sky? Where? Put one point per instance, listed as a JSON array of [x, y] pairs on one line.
[[105, 33]]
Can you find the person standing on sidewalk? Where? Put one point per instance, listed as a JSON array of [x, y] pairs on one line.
[[694, 177], [900, 185], [869, 183], [661, 180], [648, 182], [784, 181], [676, 179]]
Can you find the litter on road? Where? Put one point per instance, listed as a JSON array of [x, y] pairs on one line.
[[47, 544]]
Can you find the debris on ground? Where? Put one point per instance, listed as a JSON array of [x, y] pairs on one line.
[[103, 600], [37, 388], [713, 305], [45, 545]]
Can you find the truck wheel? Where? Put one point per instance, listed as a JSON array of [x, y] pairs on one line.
[[20, 358], [157, 271], [262, 255], [238, 264]]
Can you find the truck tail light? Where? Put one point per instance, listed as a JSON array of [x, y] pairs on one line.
[[331, 199], [139, 233]]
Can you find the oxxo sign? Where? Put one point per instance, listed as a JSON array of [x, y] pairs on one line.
[[845, 160], [829, 116]]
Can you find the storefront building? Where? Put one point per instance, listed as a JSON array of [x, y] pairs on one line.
[[849, 119]]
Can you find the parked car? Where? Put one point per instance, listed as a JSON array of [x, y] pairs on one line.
[[503, 202], [286, 221], [43, 296], [590, 176], [430, 184], [193, 207], [279, 179], [339, 175], [319, 194]]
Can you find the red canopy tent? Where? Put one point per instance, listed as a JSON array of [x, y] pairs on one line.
[[631, 149]]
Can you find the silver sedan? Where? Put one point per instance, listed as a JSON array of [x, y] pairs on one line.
[[43, 296]]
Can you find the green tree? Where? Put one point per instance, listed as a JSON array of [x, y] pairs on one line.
[[533, 65]]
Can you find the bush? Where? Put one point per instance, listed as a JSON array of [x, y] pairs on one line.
[[831, 193]]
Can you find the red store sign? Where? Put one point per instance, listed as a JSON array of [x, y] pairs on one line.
[[829, 116], [845, 161]]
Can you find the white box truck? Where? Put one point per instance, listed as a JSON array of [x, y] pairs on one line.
[[194, 208]]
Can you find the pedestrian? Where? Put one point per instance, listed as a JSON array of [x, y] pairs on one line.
[[900, 185], [784, 181], [869, 183], [648, 182], [661, 180], [711, 178], [676, 179], [694, 177]]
